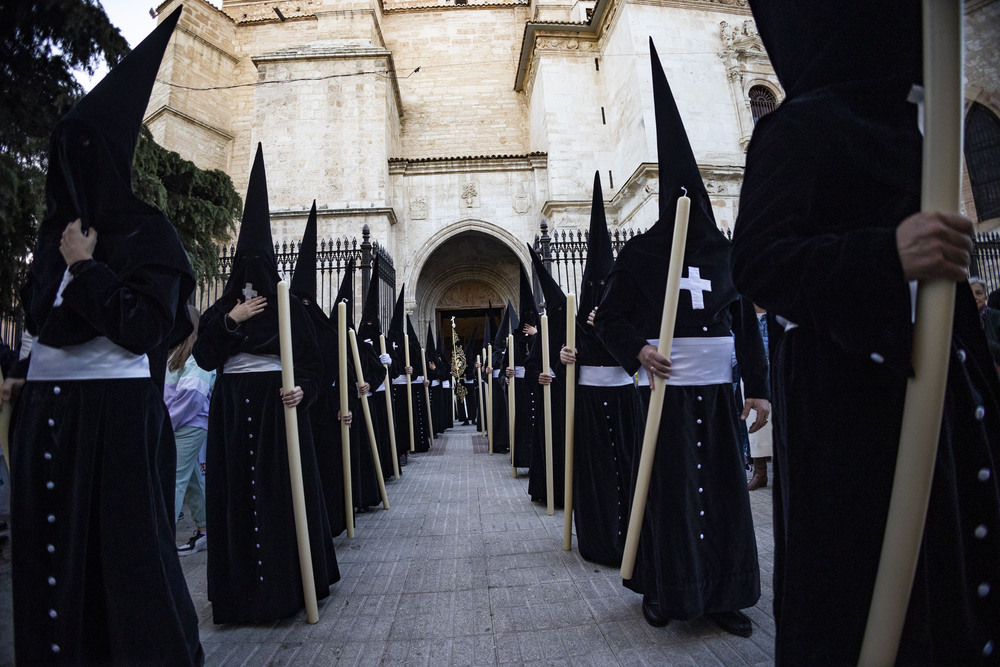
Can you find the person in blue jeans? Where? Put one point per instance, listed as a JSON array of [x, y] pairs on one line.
[[186, 393]]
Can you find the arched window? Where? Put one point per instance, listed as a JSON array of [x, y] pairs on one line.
[[982, 157], [762, 102]]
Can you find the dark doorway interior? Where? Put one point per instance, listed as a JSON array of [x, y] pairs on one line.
[[467, 320]]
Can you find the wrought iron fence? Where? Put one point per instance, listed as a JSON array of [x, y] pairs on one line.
[[986, 259], [564, 253], [333, 256]]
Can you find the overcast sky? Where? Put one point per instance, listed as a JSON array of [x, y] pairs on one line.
[[133, 19]]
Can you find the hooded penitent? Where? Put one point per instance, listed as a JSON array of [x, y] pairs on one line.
[[394, 337], [528, 308], [555, 305], [90, 178], [345, 295], [370, 327], [600, 258]]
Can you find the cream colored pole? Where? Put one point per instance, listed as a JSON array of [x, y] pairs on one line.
[[489, 396], [656, 396], [5, 414], [485, 392], [570, 423], [550, 500], [295, 458], [366, 409], [922, 411], [345, 429], [510, 401], [388, 412], [479, 394], [409, 390], [427, 395]]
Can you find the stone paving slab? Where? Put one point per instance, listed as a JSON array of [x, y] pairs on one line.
[[465, 570]]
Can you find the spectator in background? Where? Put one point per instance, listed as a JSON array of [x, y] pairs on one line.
[[988, 317], [186, 394]]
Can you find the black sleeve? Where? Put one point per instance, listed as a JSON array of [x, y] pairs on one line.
[[750, 356], [137, 314], [803, 256], [308, 362], [215, 342], [615, 321]]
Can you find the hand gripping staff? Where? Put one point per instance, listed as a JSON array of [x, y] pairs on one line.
[[295, 458], [922, 412]]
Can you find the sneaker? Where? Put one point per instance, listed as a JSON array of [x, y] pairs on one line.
[[199, 542]]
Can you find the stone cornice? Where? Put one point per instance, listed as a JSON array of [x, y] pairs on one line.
[[166, 109], [531, 28], [345, 212], [450, 5], [461, 165], [730, 6], [201, 40]]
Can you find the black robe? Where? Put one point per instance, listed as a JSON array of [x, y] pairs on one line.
[[94, 561], [816, 244], [608, 421], [536, 475], [697, 549], [528, 404], [253, 565]]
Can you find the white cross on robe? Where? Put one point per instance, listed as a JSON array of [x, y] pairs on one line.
[[697, 285], [248, 292]]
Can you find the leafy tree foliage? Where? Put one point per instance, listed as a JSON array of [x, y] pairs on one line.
[[42, 44]]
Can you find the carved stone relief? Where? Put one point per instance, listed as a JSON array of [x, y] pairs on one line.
[[418, 208], [470, 195]]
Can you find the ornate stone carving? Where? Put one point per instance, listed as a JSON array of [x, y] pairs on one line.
[[470, 194], [418, 208], [521, 202]]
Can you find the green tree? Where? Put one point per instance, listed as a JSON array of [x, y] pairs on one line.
[[43, 43]]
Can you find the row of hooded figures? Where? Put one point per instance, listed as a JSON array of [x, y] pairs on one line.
[[93, 459]]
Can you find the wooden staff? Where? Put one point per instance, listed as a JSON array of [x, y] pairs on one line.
[[479, 394], [922, 411], [550, 500], [388, 411], [510, 401], [656, 396], [570, 423], [409, 390], [484, 398], [345, 428], [295, 458], [427, 395], [368, 418], [489, 397]]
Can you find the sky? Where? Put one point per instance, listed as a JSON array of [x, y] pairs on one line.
[[133, 19]]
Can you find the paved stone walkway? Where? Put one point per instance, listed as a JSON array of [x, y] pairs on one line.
[[465, 570]]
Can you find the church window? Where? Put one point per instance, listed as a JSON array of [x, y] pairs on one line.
[[762, 102], [982, 158]]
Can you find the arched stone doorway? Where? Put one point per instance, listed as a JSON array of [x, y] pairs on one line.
[[462, 277]]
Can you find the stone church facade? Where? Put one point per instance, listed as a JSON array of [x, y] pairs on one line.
[[453, 127]]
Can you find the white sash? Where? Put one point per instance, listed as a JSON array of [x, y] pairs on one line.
[[700, 361], [97, 359], [604, 376], [245, 362]]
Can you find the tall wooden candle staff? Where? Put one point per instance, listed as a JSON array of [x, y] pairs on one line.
[[922, 411], [570, 423], [409, 390], [485, 391], [489, 397], [388, 412], [656, 396], [5, 413], [427, 395], [510, 401], [365, 408], [550, 501], [479, 393], [345, 429], [295, 458]]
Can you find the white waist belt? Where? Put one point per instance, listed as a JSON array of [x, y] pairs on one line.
[[519, 371], [446, 384], [399, 380], [435, 383], [604, 376], [245, 362], [419, 379], [381, 387], [496, 373], [97, 359], [698, 361]]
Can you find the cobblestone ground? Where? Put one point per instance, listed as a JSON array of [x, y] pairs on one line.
[[465, 570]]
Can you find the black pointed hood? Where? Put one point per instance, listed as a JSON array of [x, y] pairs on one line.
[[394, 336], [303, 283], [345, 295], [254, 263], [487, 335], [814, 45], [432, 347], [513, 322], [500, 335], [706, 255], [370, 327], [415, 347], [600, 258], [555, 306], [470, 355], [90, 177], [529, 310]]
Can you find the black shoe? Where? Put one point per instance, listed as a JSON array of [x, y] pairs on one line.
[[651, 612], [403, 459], [734, 622]]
